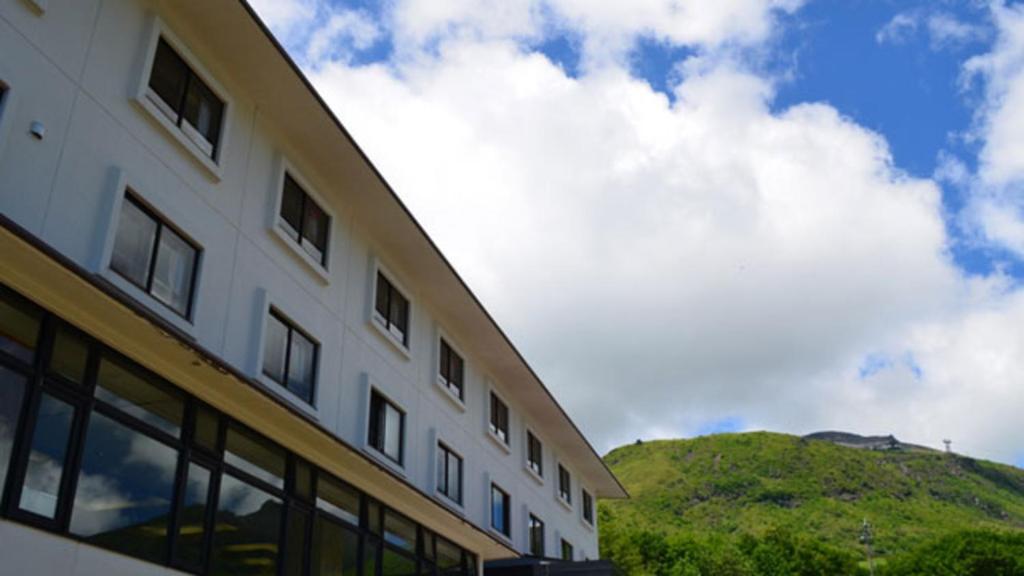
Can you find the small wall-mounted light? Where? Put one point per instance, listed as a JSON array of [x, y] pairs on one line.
[[37, 130]]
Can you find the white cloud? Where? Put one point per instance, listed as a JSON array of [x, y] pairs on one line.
[[663, 264], [900, 29], [945, 30], [345, 31]]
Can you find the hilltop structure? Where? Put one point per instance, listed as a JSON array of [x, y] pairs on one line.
[[226, 347]]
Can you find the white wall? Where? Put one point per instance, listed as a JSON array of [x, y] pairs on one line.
[[76, 67]]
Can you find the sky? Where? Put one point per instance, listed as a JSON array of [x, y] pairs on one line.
[[695, 217]]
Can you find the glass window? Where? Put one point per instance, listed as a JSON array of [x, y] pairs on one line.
[[12, 394], [387, 424], [296, 536], [154, 257], [247, 531], [185, 98], [139, 394], [124, 490], [399, 531], [564, 484], [449, 558], [534, 454], [588, 508], [337, 498], [70, 354], [566, 550], [370, 553], [499, 418], [207, 428], [452, 368], [500, 508], [449, 473], [396, 564], [392, 309], [289, 357], [303, 482], [19, 326], [255, 455], [335, 549], [304, 220], [536, 537], [41, 489], [192, 530]]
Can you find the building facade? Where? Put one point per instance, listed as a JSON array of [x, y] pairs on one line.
[[226, 347]]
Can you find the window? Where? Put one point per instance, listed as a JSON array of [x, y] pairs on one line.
[[289, 357], [588, 508], [449, 473], [154, 257], [185, 99], [534, 454], [499, 418], [564, 485], [566, 550], [452, 368], [304, 221], [115, 457], [391, 310], [387, 428], [501, 507], [536, 537]]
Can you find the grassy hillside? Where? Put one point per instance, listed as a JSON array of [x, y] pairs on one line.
[[728, 485]]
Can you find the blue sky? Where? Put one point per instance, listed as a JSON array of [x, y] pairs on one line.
[[694, 217]]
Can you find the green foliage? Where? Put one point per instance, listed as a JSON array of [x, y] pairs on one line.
[[764, 504]]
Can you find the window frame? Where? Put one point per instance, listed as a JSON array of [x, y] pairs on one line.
[[276, 222], [457, 395], [537, 473], [448, 451], [504, 443], [587, 508], [292, 327], [147, 99], [132, 196], [7, 99], [505, 530], [565, 544], [383, 325], [564, 497], [375, 393]]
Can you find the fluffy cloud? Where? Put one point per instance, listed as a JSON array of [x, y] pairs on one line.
[[669, 265]]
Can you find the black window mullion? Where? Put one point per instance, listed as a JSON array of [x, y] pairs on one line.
[[287, 356]]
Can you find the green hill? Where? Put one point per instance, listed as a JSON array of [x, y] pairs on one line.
[[726, 486]]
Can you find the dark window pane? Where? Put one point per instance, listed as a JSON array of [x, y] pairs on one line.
[[399, 531], [534, 454], [203, 110], [564, 484], [303, 485], [70, 354], [314, 233], [499, 418], [566, 550], [449, 557], [12, 394], [295, 538], [247, 531], [428, 544], [499, 510], [41, 488], [381, 304], [124, 490], [588, 507], [396, 564], [175, 266], [337, 498], [193, 517], [206, 428], [398, 316], [536, 536], [168, 78], [133, 246], [291, 207], [335, 549], [370, 553], [373, 516], [19, 326], [275, 349], [255, 455], [302, 366], [139, 394]]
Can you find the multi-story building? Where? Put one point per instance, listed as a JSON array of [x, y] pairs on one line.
[[226, 347]]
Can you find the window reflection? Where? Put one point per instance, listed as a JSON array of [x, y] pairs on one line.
[[335, 550], [141, 396], [396, 564], [193, 517], [70, 354], [46, 460], [124, 491], [338, 499], [12, 392], [246, 533], [19, 326], [255, 455]]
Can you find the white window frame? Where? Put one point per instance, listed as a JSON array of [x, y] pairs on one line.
[[321, 271], [376, 321], [145, 98], [593, 508], [293, 315], [568, 505], [505, 447], [435, 439], [125, 183], [507, 538], [442, 385], [527, 430], [400, 468]]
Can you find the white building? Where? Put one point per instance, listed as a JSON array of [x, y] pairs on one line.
[[226, 347]]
